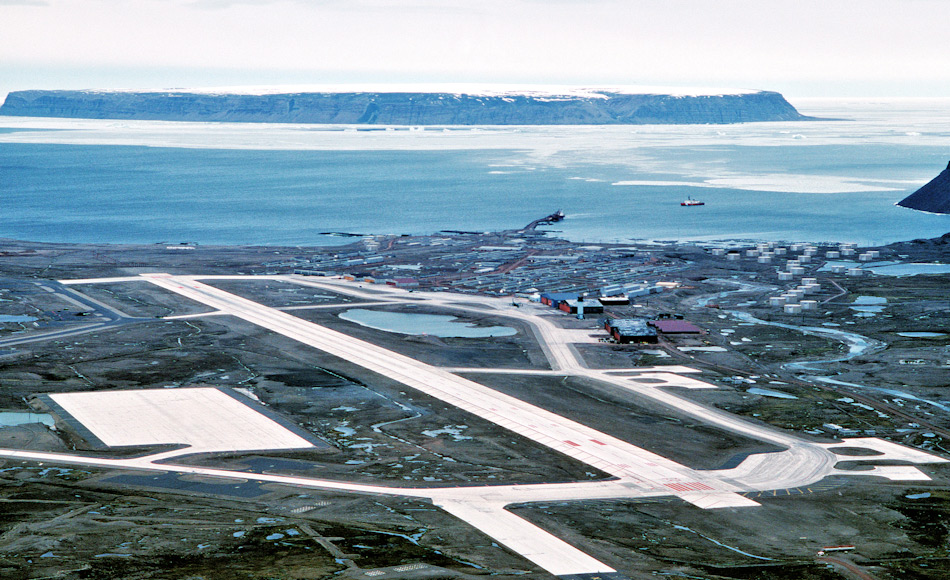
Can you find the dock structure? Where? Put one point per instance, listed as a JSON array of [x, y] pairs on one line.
[[546, 220]]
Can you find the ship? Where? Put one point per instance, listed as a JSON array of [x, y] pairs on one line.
[[690, 201]]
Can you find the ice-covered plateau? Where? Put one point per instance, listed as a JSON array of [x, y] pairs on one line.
[[412, 105]]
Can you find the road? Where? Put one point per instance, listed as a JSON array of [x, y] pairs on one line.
[[100, 316]]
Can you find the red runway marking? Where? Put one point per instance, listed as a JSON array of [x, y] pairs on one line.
[[572, 443]]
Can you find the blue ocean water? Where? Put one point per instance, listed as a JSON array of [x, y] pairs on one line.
[[136, 194]]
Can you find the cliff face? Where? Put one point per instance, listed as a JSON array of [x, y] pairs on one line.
[[933, 197], [382, 108]]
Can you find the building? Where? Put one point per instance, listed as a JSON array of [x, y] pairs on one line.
[[554, 299], [618, 300], [575, 306], [673, 326], [627, 330], [404, 282]]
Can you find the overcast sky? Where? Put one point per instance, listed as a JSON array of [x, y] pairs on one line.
[[799, 47]]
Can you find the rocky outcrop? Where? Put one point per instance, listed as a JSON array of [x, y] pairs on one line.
[[933, 197], [407, 108]]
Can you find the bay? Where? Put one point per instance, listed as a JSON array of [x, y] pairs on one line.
[[85, 181]]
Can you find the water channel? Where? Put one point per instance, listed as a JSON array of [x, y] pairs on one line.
[[857, 345]]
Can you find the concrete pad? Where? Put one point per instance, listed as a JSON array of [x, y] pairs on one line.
[[582, 335], [677, 369], [889, 450], [892, 472], [671, 380], [717, 500], [524, 538], [206, 419]]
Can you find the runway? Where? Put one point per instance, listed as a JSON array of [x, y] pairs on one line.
[[637, 472], [645, 471]]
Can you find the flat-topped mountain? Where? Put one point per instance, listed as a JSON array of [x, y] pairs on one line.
[[400, 106], [933, 197]]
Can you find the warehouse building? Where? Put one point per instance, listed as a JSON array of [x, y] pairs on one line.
[[673, 326], [627, 330], [581, 306], [619, 300], [554, 299]]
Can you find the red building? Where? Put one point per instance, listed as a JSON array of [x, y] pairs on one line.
[[672, 326]]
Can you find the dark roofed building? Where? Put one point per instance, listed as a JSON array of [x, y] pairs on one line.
[[618, 300], [555, 298], [672, 326], [574, 306], [627, 330]]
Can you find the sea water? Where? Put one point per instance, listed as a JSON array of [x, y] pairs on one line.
[[228, 183]]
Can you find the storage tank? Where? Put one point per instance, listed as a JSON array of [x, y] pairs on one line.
[[793, 308]]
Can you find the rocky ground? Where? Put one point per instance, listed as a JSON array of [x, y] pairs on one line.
[[87, 523]]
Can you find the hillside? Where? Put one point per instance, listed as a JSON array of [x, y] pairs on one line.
[[525, 107], [933, 197]]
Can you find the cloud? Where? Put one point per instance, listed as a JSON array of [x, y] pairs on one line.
[[689, 42]]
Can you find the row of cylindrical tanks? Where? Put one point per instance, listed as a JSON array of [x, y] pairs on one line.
[[793, 301], [765, 252]]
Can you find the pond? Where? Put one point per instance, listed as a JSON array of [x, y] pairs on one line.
[[868, 305], [770, 393], [439, 325], [891, 268], [921, 334], [14, 418], [16, 318]]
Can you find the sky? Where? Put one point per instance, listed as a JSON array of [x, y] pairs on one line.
[[801, 48]]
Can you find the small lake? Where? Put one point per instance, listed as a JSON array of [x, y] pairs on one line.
[[770, 393], [439, 325], [14, 418], [921, 334], [899, 269], [868, 305], [16, 318], [891, 268]]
